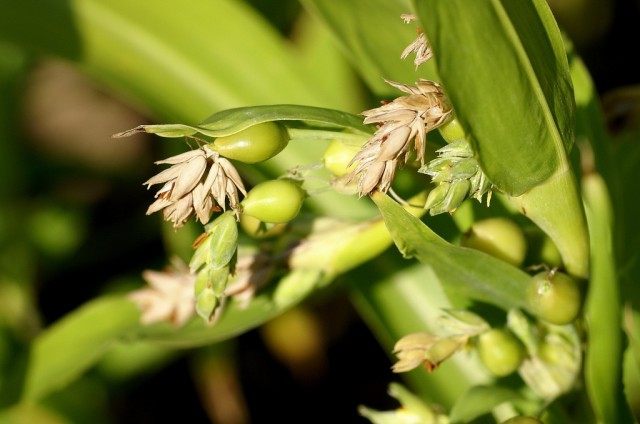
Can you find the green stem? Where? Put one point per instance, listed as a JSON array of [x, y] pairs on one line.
[[555, 207]]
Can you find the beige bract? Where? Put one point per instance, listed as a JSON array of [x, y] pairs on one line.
[[252, 271], [420, 46], [425, 349], [169, 296], [197, 182], [402, 125]]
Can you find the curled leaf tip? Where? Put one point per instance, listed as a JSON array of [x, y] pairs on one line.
[[129, 133]]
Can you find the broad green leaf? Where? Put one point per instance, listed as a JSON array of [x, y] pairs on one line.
[[127, 360], [373, 36], [231, 121], [603, 357], [503, 66], [469, 272], [480, 400], [182, 63], [318, 50], [73, 344]]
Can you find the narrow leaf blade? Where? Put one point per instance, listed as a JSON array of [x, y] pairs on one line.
[[72, 345], [469, 272]]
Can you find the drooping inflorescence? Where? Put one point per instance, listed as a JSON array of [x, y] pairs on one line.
[[402, 128], [198, 182]]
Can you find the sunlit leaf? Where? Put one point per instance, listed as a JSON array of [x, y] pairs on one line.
[[466, 271], [374, 36], [73, 344], [504, 68], [603, 357], [231, 121]]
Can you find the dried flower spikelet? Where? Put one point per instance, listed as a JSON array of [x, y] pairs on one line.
[[402, 126], [420, 46], [424, 348], [252, 272], [168, 297], [198, 182]]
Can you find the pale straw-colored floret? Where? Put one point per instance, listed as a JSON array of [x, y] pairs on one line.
[[420, 46], [408, 17], [168, 297], [198, 183], [425, 349], [402, 128], [251, 272]]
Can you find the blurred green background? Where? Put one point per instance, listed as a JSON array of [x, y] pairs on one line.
[[72, 221]]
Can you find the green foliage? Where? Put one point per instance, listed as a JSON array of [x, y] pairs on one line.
[[469, 272], [73, 344], [486, 51], [503, 66], [603, 311]]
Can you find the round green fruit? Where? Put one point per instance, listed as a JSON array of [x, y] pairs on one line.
[[258, 229], [498, 237], [254, 144], [452, 131], [500, 351], [275, 201], [554, 297], [337, 157]]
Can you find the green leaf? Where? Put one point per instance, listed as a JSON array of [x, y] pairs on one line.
[[603, 357], [66, 349], [469, 272], [480, 400], [373, 36], [231, 121], [182, 63], [503, 66]]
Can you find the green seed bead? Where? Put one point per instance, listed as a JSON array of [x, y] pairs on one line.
[[498, 237], [554, 297], [276, 201], [452, 131], [254, 144], [258, 229], [337, 157], [500, 351], [549, 253]]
